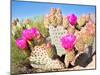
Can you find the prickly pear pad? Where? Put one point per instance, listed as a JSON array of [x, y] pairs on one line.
[[55, 35]]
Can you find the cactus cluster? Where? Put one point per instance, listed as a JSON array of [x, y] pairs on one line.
[[41, 59], [67, 35], [42, 54], [82, 27], [55, 18]]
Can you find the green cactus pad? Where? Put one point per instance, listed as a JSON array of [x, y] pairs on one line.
[[55, 36], [39, 59]]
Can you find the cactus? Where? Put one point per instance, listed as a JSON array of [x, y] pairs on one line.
[[59, 17], [52, 53], [68, 43], [81, 22], [65, 22], [84, 39], [80, 45], [53, 20], [90, 27], [69, 57], [71, 29], [52, 17], [87, 39], [53, 11], [55, 35], [39, 59]]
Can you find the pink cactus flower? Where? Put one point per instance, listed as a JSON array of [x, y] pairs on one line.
[[35, 32], [22, 43], [72, 19], [27, 33], [68, 41]]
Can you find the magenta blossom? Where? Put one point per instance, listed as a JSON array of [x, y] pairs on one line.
[[68, 41], [27, 33], [22, 43], [72, 19], [35, 32]]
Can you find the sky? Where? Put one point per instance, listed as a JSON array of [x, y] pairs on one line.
[[22, 10]]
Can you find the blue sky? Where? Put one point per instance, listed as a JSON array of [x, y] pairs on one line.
[[24, 10]]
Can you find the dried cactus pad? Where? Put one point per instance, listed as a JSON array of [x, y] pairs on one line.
[[55, 36], [39, 59]]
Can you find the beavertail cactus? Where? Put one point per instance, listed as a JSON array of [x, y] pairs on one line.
[[52, 53], [55, 36], [81, 22], [87, 38], [80, 45], [53, 11], [71, 29], [65, 22], [59, 17], [53, 20], [84, 40], [69, 57], [52, 17], [39, 59]]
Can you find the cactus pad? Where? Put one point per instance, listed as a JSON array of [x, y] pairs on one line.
[[55, 36]]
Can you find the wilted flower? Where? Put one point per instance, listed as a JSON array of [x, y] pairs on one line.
[[22, 43], [72, 19], [68, 41]]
